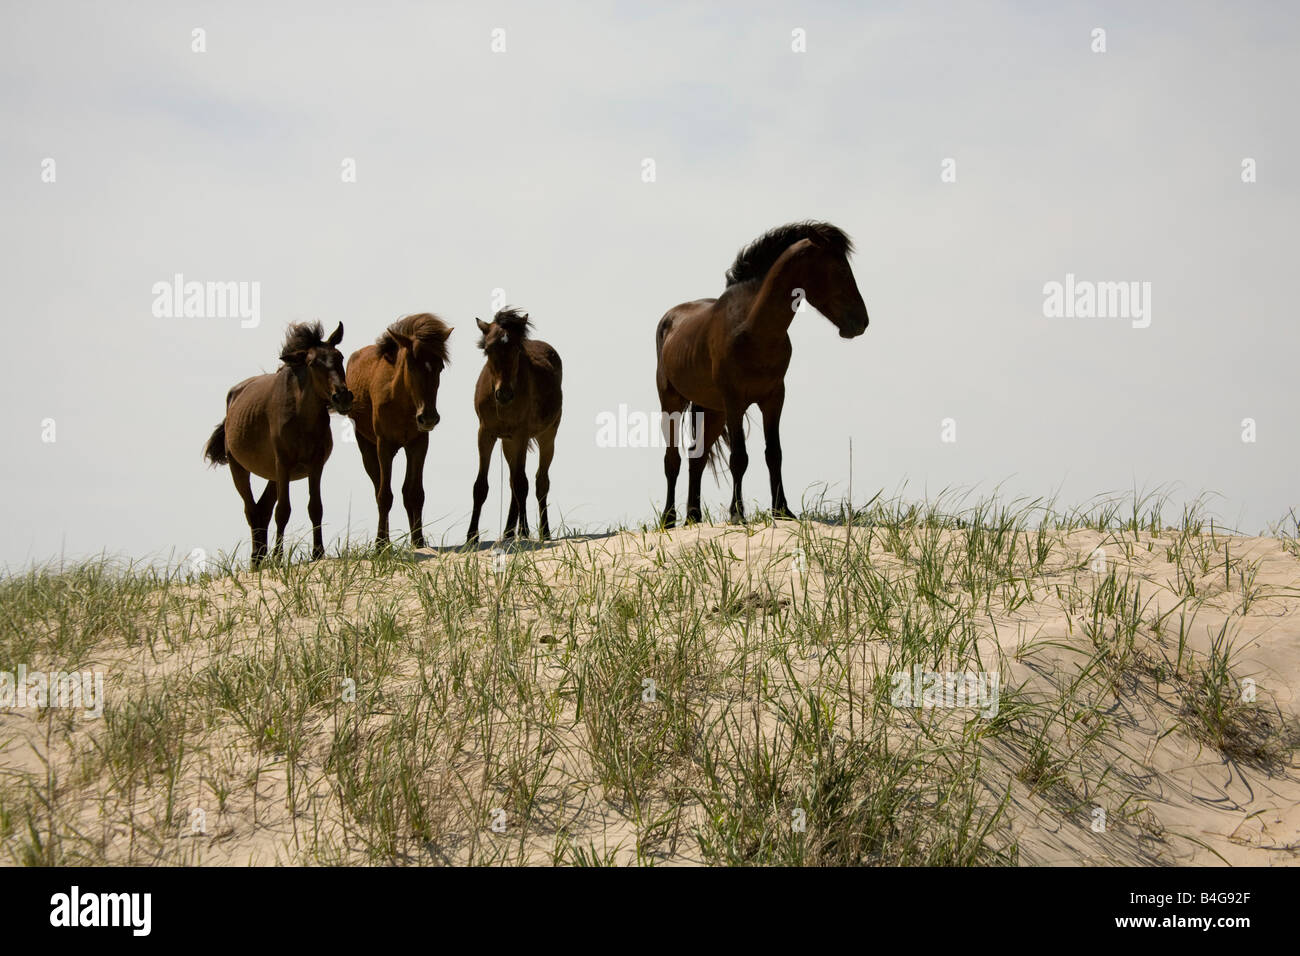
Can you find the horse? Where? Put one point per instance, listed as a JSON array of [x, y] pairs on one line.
[[518, 399], [395, 382], [277, 427], [720, 356]]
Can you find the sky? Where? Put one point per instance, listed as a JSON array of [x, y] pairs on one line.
[[976, 153]]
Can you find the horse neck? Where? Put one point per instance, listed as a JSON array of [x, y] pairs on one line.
[[773, 308], [524, 384], [399, 384], [307, 404]]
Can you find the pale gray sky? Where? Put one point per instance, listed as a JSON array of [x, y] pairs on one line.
[[522, 170]]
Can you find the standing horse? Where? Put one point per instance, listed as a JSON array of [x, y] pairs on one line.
[[518, 400], [277, 427], [395, 382], [722, 355]]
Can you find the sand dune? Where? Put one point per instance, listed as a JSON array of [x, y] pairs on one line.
[[715, 694]]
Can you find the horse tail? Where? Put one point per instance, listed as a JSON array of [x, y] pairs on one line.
[[715, 454], [661, 332], [215, 450]]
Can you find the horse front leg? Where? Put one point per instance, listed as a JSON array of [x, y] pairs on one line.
[[281, 505], [265, 505], [413, 487], [385, 451], [771, 409], [486, 442], [316, 511], [517, 457]]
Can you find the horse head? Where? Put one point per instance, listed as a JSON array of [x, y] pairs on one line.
[[419, 351], [308, 352], [503, 344]]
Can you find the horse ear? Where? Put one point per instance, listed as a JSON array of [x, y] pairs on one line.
[[482, 326], [336, 337], [294, 358], [403, 341]]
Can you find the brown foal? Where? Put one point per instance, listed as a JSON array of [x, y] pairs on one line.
[[395, 382], [518, 400], [277, 427]]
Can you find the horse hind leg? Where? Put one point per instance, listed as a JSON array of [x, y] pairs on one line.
[[738, 462], [545, 452], [672, 407], [701, 453], [243, 484]]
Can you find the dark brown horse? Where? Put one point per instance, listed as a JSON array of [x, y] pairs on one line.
[[277, 427], [518, 400], [722, 355], [395, 382]]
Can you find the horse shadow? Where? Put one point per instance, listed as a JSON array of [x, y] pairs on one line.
[[429, 552]]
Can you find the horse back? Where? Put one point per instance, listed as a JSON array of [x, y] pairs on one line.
[[548, 376], [263, 423]]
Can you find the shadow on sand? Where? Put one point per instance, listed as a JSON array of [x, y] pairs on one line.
[[513, 544]]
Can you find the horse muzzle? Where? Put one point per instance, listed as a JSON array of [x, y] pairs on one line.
[[341, 401], [426, 422]]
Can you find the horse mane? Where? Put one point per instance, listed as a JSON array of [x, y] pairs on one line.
[[755, 259], [301, 336], [513, 321], [424, 327]]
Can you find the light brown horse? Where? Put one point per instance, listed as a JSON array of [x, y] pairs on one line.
[[277, 427], [518, 399], [722, 355], [395, 382]]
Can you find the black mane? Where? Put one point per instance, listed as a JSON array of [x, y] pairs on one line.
[[511, 320], [301, 336], [424, 327], [754, 261]]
